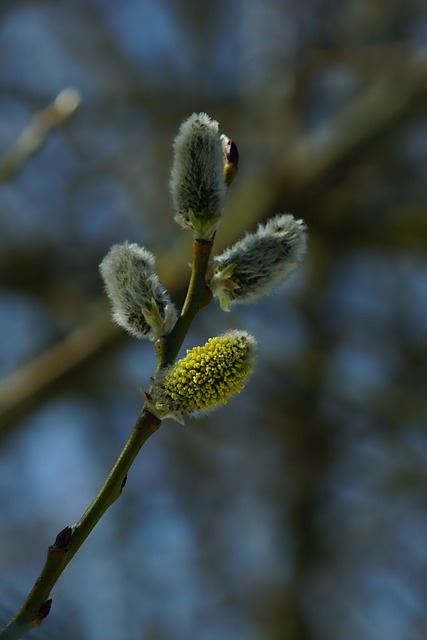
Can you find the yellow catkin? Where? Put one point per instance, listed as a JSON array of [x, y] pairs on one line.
[[208, 375]]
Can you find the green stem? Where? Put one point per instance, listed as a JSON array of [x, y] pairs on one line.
[[37, 604], [198, 296]]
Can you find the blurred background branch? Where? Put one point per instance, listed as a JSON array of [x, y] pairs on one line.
[[34, 135]]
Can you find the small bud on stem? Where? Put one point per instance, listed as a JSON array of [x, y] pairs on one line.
[[44, 611], [231, 159], [63, 538]]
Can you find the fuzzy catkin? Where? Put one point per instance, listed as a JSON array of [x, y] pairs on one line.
[[258, 262], [139, 302], [197, 178]]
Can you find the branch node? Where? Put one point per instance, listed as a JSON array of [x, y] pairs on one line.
[[62, 539]]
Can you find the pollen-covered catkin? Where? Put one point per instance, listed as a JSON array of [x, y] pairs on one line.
[[207, 376], [139, 302], [253, 266]]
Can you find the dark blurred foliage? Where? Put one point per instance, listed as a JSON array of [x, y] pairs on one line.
[[299, 511]]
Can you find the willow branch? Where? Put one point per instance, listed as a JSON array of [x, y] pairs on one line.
[[198, 296], [37, 605]]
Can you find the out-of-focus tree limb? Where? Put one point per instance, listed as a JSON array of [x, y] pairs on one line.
[[34, 135], [385, 101], [19, 390], [314, 160]]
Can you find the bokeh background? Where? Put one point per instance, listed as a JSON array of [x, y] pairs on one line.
[[299, 511]]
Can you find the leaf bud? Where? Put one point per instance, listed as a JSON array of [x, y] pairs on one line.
[[43, 612], [231, 159]]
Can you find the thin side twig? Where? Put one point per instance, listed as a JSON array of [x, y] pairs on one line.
[[34, 135]]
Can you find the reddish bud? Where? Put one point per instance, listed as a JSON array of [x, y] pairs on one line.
[[231, 152], [44, 610], [63, 538]]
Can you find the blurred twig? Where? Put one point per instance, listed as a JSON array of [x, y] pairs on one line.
[[34, 135], [19, 390]]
